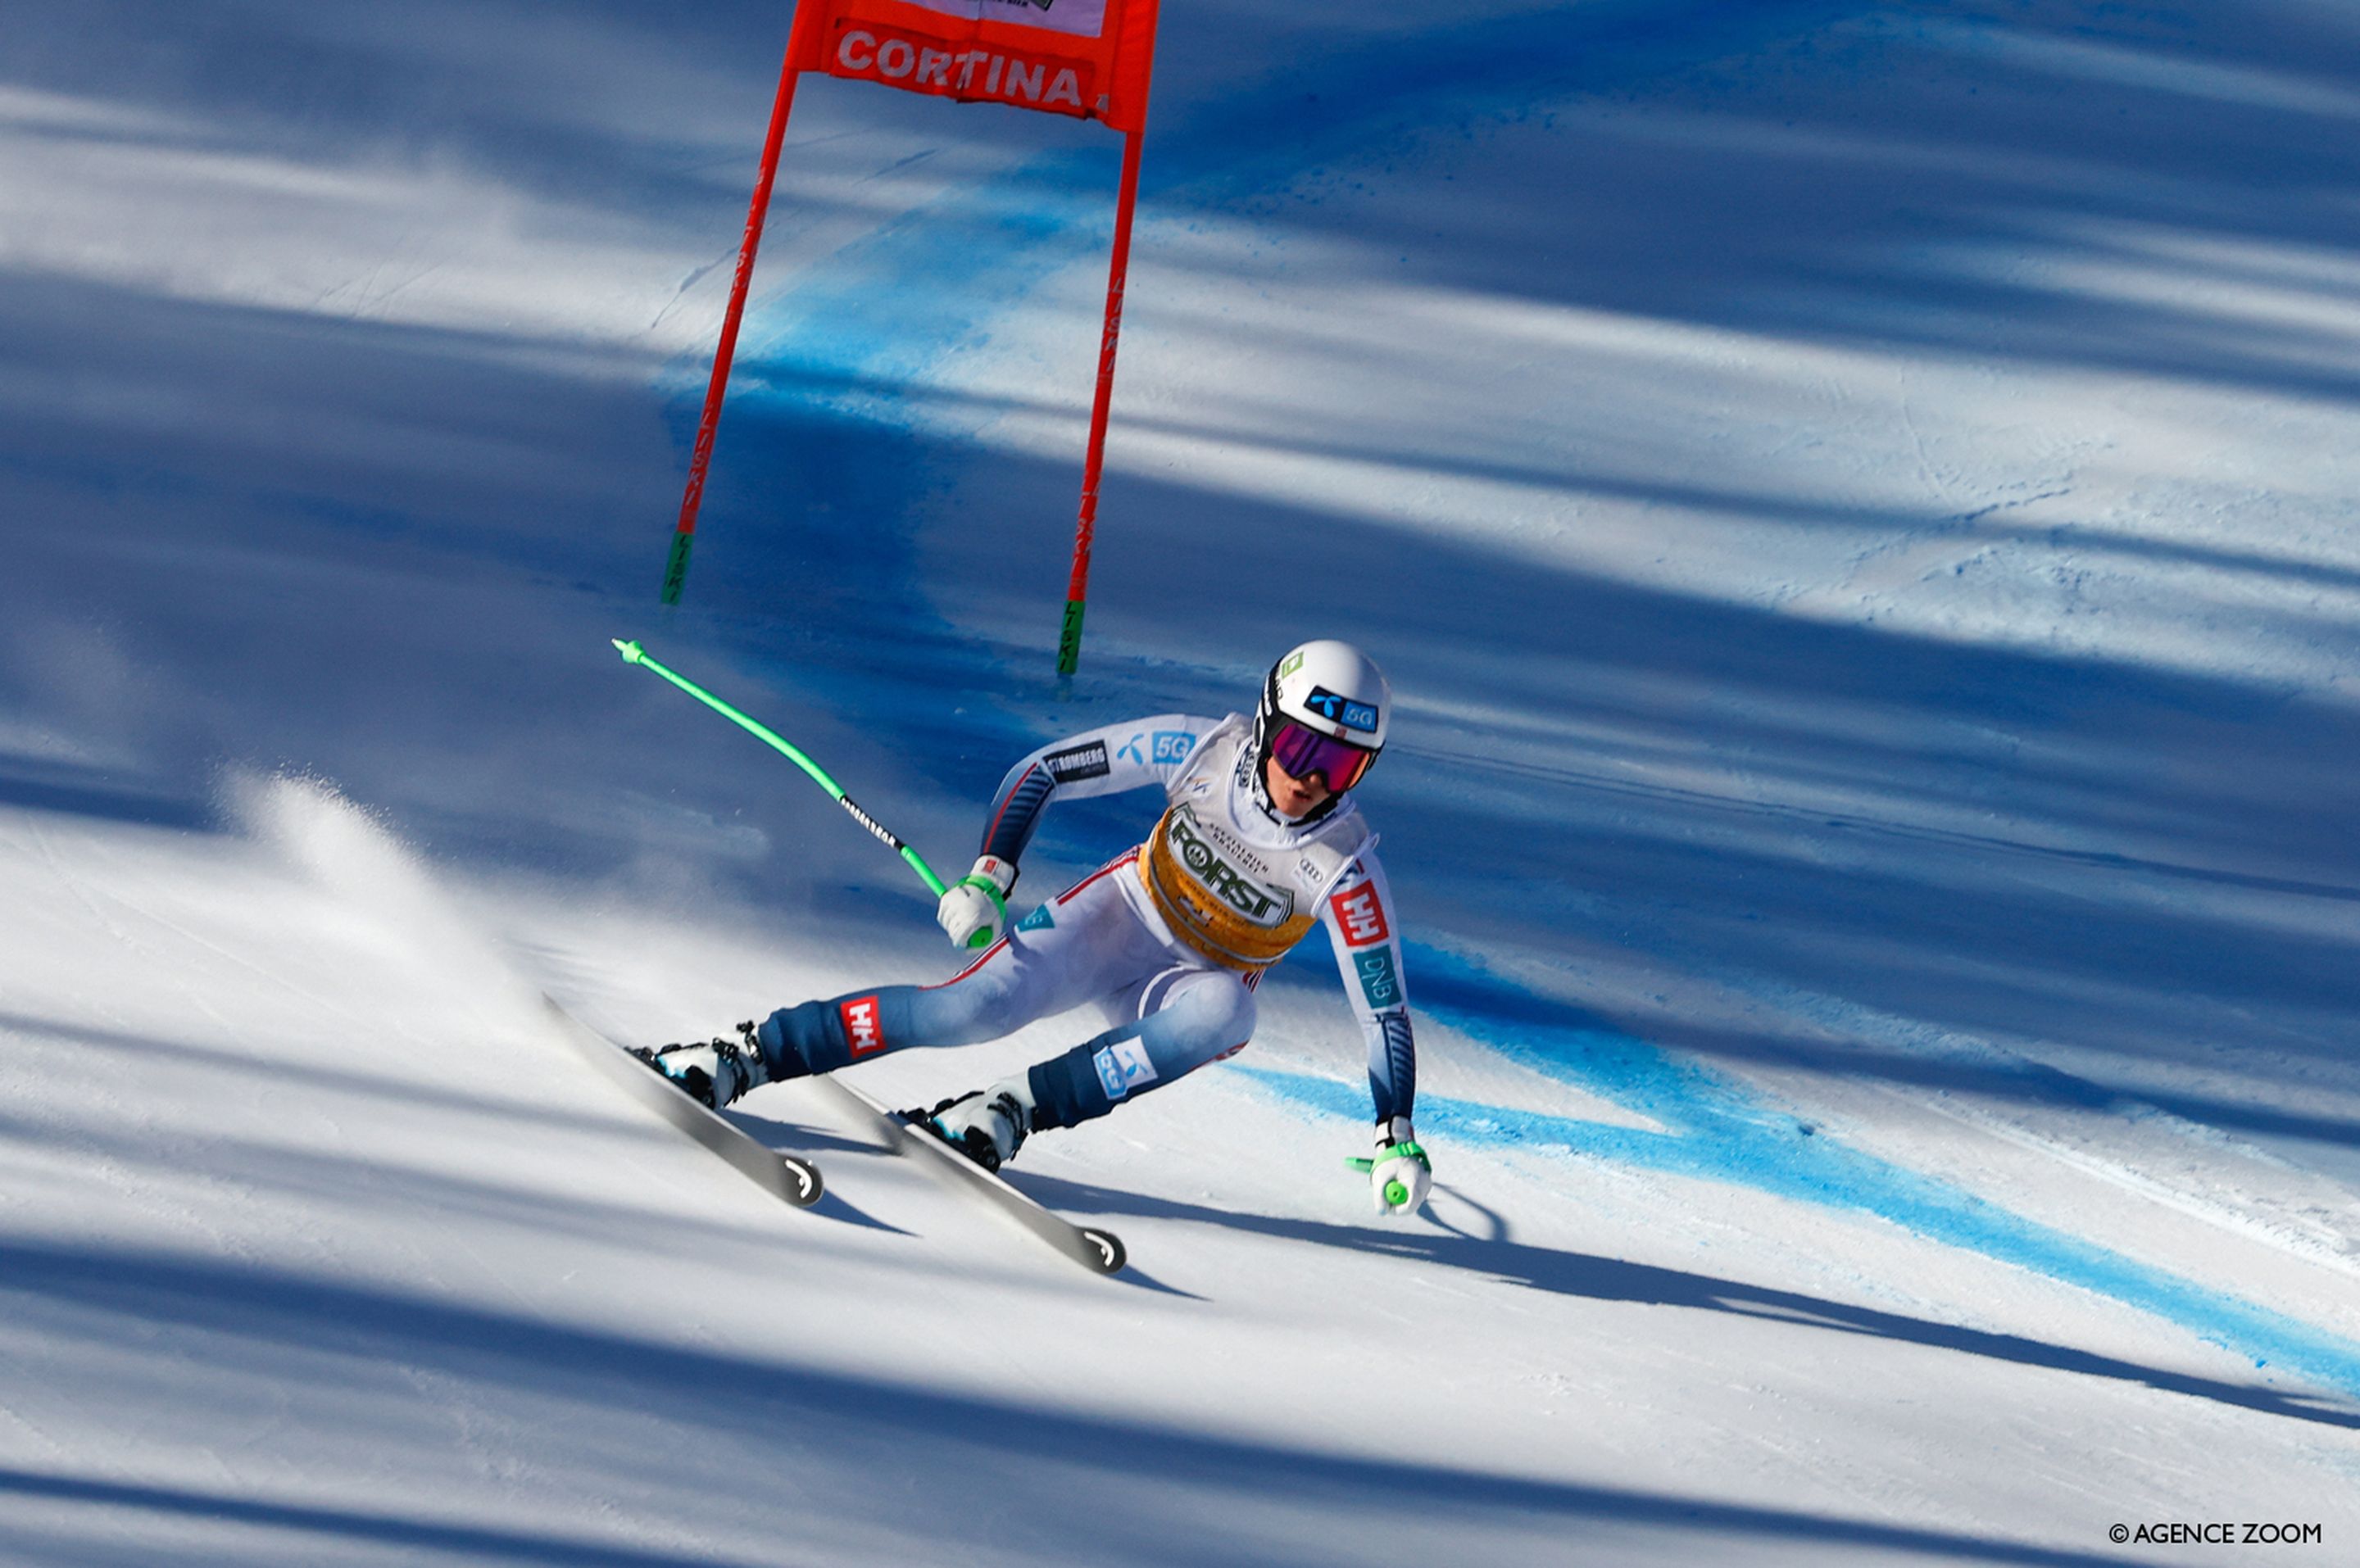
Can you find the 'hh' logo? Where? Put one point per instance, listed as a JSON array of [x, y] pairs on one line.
[[861, 1025], [1360, 915]]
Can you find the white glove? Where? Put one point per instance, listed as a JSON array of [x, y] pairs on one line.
[[974, 909], [1400, 1176]]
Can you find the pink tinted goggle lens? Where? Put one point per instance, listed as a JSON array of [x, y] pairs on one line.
[[1303, 752]]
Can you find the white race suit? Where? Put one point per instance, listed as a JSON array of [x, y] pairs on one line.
[[1167, 940]]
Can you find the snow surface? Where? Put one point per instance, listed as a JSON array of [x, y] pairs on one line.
[[1856, 501]]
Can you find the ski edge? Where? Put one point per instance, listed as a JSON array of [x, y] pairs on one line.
[[787, 1177], [1099, 1250]]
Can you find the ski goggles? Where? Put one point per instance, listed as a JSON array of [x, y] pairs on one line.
[[1301, 752]]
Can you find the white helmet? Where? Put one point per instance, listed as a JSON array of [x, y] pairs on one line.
[[1337, 694]]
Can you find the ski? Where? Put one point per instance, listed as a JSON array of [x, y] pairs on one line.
[[785, 1176], [1099, 1251]]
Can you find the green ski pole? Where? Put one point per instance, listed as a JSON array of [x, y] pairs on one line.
[[634, 654]]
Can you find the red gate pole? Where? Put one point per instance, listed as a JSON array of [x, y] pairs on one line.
[[676, 567], [1078, 587]]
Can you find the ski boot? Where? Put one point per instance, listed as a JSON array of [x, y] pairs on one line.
[[713, 1072], [987, 1125]]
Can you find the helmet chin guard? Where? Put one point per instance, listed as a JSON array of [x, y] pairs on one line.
[[1331, 689]]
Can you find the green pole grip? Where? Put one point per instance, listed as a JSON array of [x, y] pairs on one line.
[[1396, 1194]]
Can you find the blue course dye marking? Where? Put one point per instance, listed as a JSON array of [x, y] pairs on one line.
[[1723, 1131], [885, 308]]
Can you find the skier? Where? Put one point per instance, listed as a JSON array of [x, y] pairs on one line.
[[1258, 838]]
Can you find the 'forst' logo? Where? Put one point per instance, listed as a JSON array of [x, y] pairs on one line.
[[1361, 915], [1342, 710], [1267, 907], [863, 1030]]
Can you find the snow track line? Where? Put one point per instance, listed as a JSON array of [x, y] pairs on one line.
[[2282, 1237]]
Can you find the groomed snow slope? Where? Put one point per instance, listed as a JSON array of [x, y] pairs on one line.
[[1855, 500]]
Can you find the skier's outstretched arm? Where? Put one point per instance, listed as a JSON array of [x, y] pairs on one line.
[[1104, 761], [1361, 926]]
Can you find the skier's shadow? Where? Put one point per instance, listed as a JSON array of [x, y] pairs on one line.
[[1613, 1279], [799, 1138], [796, 1137]]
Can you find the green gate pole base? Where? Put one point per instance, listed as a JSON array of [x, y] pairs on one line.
[[676, 568], [1069, 641]]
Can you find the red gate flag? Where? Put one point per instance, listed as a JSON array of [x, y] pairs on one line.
[[1089, 59]]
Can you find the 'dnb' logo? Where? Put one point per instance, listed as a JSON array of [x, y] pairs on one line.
[[1378, 981], [1342, 710]]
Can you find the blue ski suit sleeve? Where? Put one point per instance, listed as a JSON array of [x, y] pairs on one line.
[[1358, 915], [1104, 761]]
